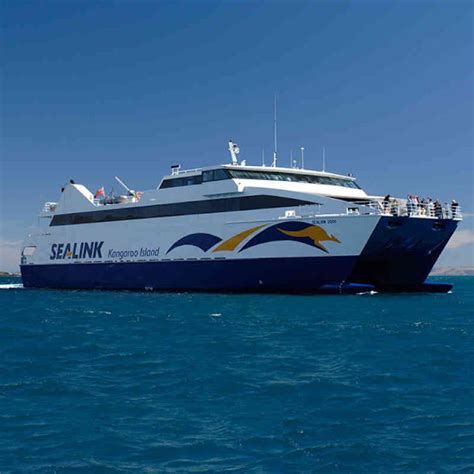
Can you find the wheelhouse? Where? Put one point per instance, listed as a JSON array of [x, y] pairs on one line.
[[219, 174]]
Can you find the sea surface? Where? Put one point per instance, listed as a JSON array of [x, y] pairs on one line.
[[149, 382]]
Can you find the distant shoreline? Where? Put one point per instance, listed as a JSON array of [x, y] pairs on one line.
[[452, 271], [9, 274]]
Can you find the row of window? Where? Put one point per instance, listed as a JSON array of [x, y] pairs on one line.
[[220, 174], [178, 182], [298, 178], [206, 176], [208, 206]]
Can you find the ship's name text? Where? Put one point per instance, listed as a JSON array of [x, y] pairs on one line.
[[76, 250]]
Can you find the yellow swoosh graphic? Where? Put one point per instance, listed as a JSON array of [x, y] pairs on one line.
[[315, 233], [233, 242]]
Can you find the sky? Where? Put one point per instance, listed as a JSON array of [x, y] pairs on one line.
[[91, 90]]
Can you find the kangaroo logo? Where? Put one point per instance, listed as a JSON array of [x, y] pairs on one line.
[[315, 233]]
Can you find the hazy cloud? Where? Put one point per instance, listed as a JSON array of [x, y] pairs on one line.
[[10, 255], [461, 238]]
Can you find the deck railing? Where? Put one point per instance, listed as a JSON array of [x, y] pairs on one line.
[[404, 207]]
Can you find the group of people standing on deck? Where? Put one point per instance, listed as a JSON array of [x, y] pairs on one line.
[[421, 207]]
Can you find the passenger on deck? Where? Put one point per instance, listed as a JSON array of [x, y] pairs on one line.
[[454, 209], [423, 204], [430, 207], [386, 204], [446, 210], [438, 210], [394, 208], [416, 205], [410, 205]]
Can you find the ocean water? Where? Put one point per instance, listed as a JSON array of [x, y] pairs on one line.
[[149, 382]]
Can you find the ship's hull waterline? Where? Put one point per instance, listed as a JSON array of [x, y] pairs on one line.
[[281, 275]]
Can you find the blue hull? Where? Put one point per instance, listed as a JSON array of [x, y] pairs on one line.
[[285, 275], [401, 252]]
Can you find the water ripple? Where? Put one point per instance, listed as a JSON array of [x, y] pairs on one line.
[[145, 382]]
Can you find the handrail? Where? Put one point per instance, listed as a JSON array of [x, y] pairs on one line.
[[412, 208], [180, 171]]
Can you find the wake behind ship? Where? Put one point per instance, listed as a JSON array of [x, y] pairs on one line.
[[238, 228]]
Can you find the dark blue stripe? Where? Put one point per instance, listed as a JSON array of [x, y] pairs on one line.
[[199, 240], [262, 275]]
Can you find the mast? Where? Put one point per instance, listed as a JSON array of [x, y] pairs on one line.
[[275, 144]]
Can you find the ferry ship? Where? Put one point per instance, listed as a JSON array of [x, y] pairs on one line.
[[238, 228]]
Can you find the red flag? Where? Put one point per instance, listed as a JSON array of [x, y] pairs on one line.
[[100, 192]]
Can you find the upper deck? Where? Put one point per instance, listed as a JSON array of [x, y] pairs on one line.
[[235, 186], [276, 178]]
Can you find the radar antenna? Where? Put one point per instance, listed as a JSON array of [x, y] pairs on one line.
[[234, 151]]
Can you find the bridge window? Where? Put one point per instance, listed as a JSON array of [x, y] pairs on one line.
[[184, 181], [215, 175], [293, 177]]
